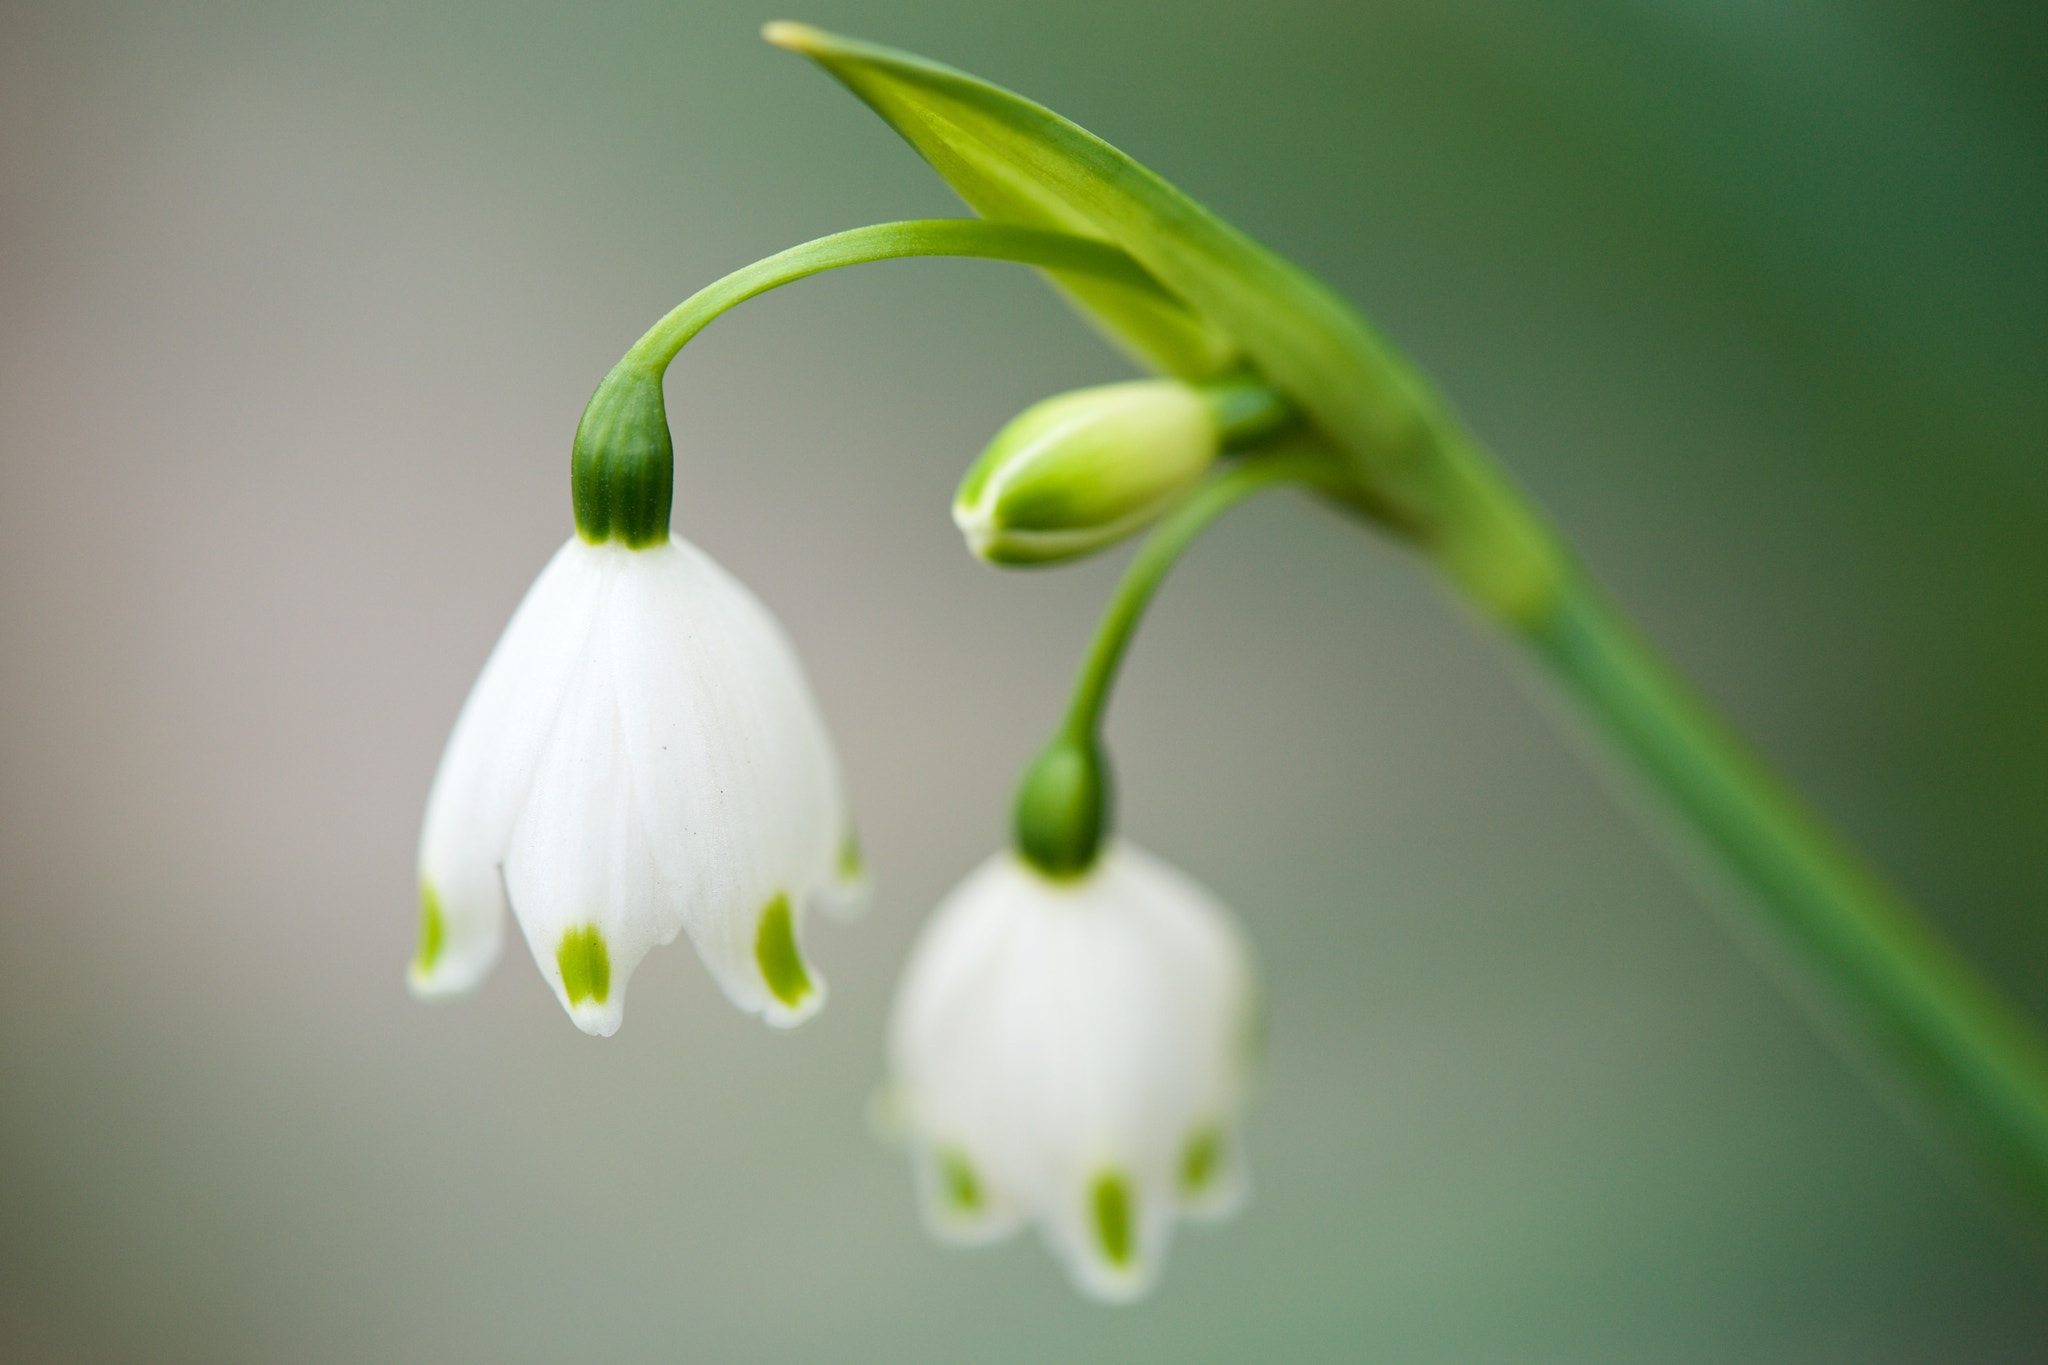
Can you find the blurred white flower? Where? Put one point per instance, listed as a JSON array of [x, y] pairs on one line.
[[1075, 1051], [640, 755]]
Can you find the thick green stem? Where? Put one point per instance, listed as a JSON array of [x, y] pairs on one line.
[[1882, 979]]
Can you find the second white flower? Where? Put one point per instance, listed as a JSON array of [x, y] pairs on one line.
[[1075, 1051]]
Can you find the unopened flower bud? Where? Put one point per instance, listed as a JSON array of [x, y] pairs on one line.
[[1079, 472]]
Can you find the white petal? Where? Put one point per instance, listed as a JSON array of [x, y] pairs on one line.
[[485, 770], [580, 868], [1208, 964], [733, 772]]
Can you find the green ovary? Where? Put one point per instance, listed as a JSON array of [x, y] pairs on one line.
[[1112, 1209], [586, 966], [433, 930], [775, 950]]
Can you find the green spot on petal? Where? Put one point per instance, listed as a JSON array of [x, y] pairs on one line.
[[433, 930], [963, 1190], [1200, 1159], [851, 863], [775, 950], [1251, 1033], [1112, 1200], [586, 966]]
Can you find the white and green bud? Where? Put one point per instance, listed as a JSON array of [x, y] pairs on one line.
[[1079, 472]]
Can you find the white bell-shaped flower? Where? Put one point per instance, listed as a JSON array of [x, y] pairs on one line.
[[640, 755], [1075, 1051]]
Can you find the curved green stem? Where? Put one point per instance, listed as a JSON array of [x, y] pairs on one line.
[[974, 237], [1175, 532], [622, 464], [1063, 801], [1883, 979]]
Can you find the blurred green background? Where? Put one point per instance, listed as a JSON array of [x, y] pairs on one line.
[[299, 305]]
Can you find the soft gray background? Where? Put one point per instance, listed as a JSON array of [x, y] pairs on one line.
[[298, 306]]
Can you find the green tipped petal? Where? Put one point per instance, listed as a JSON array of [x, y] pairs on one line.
[[962, 1186], [1110, 1204], [586, 965], [433, 931], [782, 966]]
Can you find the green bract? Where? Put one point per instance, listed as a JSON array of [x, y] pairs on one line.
[[1412, 467]]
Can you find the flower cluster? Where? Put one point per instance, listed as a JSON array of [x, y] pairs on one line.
[[641, 757]]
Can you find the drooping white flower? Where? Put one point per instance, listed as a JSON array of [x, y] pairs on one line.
[[1075, 1052], [641, 755]]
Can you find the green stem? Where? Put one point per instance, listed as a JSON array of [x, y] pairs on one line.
[[622, 463], [1063, 802], [1174, 533], [1910, 1002], [973, 237]]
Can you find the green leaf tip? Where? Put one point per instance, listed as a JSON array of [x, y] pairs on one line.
[[919, 98], [792, 36], [1413, 468]]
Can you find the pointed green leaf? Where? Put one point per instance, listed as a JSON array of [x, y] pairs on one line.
[[1000, 188], [1015, 161]]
